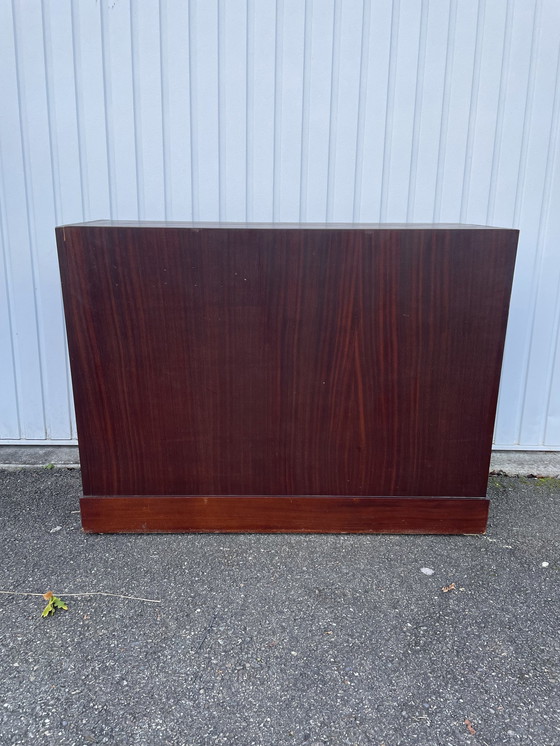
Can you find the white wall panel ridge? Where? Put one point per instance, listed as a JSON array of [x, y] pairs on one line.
[[284, 110]]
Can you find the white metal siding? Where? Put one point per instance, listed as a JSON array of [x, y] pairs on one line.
[[312, 110]]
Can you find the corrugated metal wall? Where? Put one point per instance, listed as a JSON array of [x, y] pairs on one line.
[[312, 110]]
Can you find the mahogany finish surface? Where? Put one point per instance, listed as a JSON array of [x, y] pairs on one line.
[[285, 365], [300, 514]]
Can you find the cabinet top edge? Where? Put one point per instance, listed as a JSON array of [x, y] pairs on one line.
[[278, 226]]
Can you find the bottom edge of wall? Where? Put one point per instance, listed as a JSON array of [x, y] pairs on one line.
[[509, 462]]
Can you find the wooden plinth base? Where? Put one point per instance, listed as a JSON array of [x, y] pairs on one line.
[[296, 514]]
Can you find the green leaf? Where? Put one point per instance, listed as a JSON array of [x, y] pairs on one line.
[[54, 603]]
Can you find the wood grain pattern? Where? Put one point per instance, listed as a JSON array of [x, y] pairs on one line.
[[298, 514], [285, 360]]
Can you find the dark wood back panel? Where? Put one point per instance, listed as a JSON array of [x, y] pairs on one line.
[[284, 361]]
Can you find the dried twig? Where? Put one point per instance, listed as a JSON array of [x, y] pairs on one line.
[[206, 632], [86, 593]]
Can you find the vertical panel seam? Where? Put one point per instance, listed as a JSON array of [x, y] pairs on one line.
[[136, 120], [55, 171], [222, 112], [192, 114], [55, 180], [28, 217], [520, 184], [82, 162], [556, 329], [164, 96], [105, 53], [304, 143], [497, 146], [417, 115], [333, 112], [389, 105], [362, 102], [9, 301], [526, 117], [543, 221], [556, 338], [473, 108], [278, 41], [249, 66], [449, 55]]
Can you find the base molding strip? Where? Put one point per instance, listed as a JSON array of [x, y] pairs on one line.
[[283, 514]]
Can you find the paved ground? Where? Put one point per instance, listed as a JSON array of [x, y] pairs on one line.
[[274, 640]]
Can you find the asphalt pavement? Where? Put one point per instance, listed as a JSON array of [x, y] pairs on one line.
[[279, 639]]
